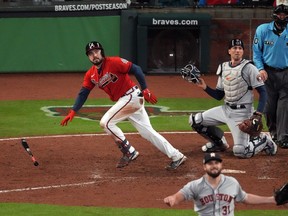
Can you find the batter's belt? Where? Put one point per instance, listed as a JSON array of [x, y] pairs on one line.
[[130, 91]]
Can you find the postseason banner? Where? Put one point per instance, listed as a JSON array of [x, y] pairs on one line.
[[63, 6], [91, 7]]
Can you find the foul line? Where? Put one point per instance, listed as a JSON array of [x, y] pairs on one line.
[[99, 180], [96, 134], [47, 187]]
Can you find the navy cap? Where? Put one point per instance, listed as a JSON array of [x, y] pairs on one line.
[[93, 45], [211, 156], [236, 42]]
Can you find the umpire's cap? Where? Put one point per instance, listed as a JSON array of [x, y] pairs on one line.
[[211, 156], [236, 42], [94, 45]]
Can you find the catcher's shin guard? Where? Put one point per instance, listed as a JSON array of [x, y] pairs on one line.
[[212, 133], [254, 146]]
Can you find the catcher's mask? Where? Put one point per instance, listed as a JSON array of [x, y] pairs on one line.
[[190, 73], [280, 20], [94, 45]]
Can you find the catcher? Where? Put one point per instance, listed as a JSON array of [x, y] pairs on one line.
[[236, 80]]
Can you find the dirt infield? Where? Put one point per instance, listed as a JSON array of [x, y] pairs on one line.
[[80, 170]]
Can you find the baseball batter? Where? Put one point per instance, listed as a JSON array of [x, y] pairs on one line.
[[236, 80], [110, 74], [215, 194]]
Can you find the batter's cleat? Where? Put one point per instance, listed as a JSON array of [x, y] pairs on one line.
[[271, 147], [175, 164], [211, 147], [127, 158]]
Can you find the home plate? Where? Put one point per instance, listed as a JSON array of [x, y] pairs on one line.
[[232, 171]]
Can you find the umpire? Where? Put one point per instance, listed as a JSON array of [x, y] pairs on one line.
[[270, 55]]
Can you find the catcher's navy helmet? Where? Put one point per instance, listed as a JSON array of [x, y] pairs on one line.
[[236, 42], [94, 45]]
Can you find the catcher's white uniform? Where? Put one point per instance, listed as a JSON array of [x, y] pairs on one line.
[[238, 83]]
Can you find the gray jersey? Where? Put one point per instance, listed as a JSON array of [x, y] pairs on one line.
[[214, 202], [238, 82]]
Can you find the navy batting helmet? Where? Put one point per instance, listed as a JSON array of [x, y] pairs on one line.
[[94, 45]]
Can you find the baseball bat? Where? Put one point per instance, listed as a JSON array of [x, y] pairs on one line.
[[27, 149]]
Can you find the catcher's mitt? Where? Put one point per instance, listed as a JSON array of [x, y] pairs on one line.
[[281, 195], [252, 126], [190, 73]]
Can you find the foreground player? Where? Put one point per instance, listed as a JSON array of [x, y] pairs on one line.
[[111, 75], [236, 80], [214, 193]]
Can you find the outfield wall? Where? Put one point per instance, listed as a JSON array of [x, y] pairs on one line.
[[54, 44]]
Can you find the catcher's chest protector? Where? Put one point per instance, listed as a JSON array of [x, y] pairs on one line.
[[235, 86]]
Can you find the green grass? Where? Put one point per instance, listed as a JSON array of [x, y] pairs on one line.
[[25, 118], [15, 209]]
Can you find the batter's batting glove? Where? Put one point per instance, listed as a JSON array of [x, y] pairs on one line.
[[149, 97], [70, 116]]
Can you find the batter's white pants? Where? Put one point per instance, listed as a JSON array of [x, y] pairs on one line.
[[131, 107]]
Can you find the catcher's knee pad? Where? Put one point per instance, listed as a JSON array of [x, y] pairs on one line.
[[195, 120], [239, 151]]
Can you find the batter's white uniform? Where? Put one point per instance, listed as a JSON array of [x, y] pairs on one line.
[[113, 78], [214, 202], [111, 74], [131, 107]]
